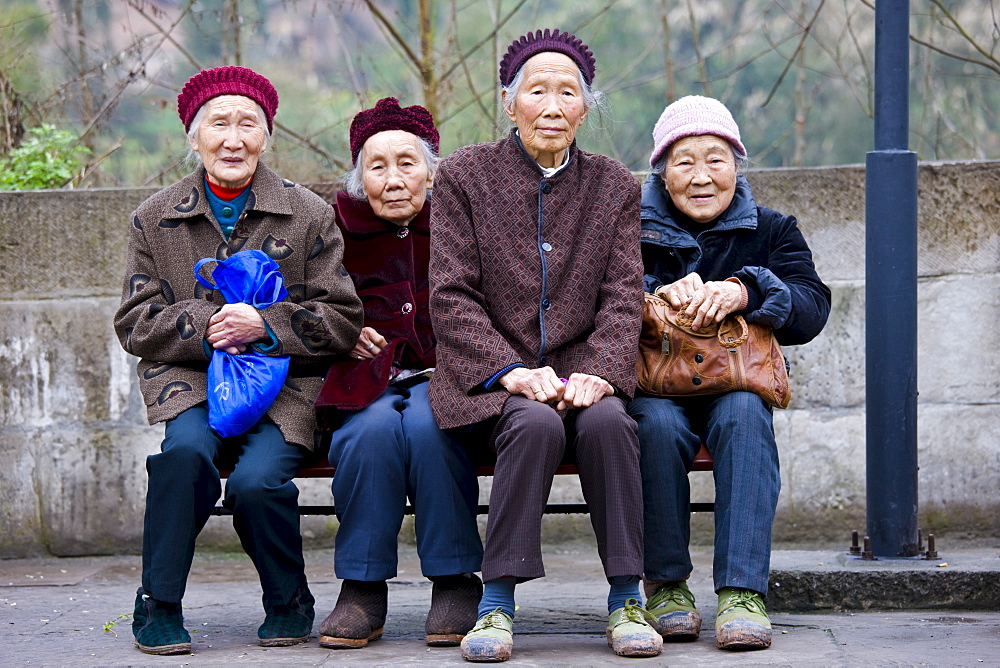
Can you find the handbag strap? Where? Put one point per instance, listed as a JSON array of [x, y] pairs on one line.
[[741, 339]]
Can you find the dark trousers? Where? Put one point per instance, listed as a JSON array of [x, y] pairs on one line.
[[384, 453], [184, 485], [530, 440], [737, 430]]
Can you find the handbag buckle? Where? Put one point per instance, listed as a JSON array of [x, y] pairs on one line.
[[665, 344]]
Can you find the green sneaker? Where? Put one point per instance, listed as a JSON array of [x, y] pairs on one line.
[[491, 639], [630, 633], [675, 617], [741, 622]]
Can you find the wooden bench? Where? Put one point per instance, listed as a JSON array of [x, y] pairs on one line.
[[702, 462]]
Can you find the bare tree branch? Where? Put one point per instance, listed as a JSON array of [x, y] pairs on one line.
[[802, 41]]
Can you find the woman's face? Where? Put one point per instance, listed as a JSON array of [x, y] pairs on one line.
[[230, 138], [395, 175], [700, 176], [548, 107]]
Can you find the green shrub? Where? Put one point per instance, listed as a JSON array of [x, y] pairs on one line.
[[46, 159]]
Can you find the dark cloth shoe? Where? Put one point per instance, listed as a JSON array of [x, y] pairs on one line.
[[359, 616], [454, 606], [158, 627], [288, 624]]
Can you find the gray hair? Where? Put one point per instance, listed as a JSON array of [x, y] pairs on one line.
[[591, 96], [192, 158], [355, 187], [741, 160]]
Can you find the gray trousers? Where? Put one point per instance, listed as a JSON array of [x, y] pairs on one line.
[[530, 440]]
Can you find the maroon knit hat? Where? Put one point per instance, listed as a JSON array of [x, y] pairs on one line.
[[528, 45], [388, 115], [228, 80]]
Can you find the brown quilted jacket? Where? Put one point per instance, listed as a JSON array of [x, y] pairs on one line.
[[541, 271], [165, 311]]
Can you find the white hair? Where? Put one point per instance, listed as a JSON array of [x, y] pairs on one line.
[[192, 158], [591, 96], [355, 187]]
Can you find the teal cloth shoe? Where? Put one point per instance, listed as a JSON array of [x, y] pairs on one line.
[[158, 627], [742, 621], [630, 632], [672, 606], [288, 624], [491, 639]]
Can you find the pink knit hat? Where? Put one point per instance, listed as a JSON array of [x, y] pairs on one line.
[[228, 80], [694, 115], [388, 115]]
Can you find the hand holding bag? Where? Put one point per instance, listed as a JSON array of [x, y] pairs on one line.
[[242, 387], [676, 360]]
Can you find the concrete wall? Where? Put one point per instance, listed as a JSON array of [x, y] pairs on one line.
[[73, 436]]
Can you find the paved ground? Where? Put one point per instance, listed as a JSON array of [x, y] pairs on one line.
[[68, 612]]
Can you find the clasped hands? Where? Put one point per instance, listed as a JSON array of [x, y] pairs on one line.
[[579, 391], [234, 327], [709, 302]]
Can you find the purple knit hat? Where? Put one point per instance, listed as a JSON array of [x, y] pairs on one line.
[[228, 80], [694, 115], [529, 45], [388, 115]]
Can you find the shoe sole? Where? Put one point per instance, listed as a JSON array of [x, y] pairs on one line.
[[444, 639], [282, 642], [164, 650], [678, 626], [330, 642], [486, 652], [741, 635], [638, 645]]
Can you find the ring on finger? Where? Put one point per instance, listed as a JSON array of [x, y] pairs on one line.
[[370, 346]]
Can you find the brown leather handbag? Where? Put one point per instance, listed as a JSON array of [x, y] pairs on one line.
[[676, 361]]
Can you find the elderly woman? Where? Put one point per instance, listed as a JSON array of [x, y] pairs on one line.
[[385, 445], [231, 202], [536, 303], [705, 241]]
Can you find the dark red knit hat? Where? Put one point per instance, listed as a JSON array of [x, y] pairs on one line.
[[388, 115], [529, 45], [228, 80]]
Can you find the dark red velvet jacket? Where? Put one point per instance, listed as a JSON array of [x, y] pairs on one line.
[[388, 264]]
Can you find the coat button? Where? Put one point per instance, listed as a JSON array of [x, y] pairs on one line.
[[407, 307], [546, 304], [546, 247], [699, 358], [547, 188], [403, 232], [696, 380]]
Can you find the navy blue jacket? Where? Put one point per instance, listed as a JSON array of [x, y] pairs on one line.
[[761, 247]]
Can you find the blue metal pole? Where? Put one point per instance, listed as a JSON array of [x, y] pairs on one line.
[[891, 296]]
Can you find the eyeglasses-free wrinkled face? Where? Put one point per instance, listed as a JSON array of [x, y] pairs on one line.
[[548, 107], [230, 138], [700, 176], [395, 174]]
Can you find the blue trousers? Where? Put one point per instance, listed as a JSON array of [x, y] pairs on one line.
[[738, 431], [184, 485], [385, 453]]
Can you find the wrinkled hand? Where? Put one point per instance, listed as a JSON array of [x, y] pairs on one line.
[[584, 390], [370, 343], [713, 302], [679, 292], [233, 327], [536, 384]]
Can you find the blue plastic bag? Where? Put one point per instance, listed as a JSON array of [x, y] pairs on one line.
[[242, 387]]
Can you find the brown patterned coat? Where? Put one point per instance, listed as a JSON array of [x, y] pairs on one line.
[[532, 270], [165, 311]]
